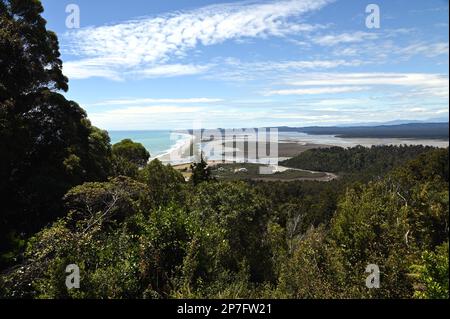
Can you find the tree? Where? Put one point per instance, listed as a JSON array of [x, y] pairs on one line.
[[100, 234], [123, 167], [28, 50], [358, 162], [131, 151], [309, 272], [201, 172], [116, 200], [229, 239], [165, 183], [432, 274], [46, 142], [123, 246]]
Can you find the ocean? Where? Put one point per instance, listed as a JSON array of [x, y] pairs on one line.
[[156, 142], [164, 144]]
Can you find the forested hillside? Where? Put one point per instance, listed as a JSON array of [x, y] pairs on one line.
[[157, 236], [356, 161], [408, 130]]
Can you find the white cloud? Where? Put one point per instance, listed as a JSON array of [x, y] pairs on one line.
[[337, 102], [424, 83], [373, 79], [237, 71], [296, 113], [427, 49], [108, 51], [441, 111], [144, 117], [88, 68], [170, 70], [384, 46], [418, 109], [99, 68], [153, 110], [300, 65], [344, 38], [318, 90], [141, 101]]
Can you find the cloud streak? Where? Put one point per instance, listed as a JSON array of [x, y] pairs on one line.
[[318, 90], [140, 101], [424, 83], [344, 38], [114, 51]]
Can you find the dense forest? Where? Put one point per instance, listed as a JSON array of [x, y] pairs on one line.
[[357, 162], [140, 230]]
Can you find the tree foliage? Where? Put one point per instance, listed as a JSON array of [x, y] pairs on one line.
[[201, 172], [360, 161], [47, 143], [166, 184], [432, 274], [131, 151]]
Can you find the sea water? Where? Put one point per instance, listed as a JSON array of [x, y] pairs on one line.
[[156, 142]]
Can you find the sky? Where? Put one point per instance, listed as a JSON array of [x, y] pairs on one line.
[[178, 64]]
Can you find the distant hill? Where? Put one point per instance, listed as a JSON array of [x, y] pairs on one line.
[[410, 130], [397, 122]]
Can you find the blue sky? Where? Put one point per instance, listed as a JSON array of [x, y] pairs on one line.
[[176, 64]]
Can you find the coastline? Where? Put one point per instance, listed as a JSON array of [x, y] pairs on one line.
[[289, 145], [175, 155]]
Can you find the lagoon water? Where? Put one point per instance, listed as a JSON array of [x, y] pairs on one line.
[[333, 140]]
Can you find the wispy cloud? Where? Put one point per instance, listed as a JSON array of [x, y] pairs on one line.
[[145, 117], [373, 79], [170, 70], [384, 46], [221, 115], [235, 70], [141, 101], [344, 38], [113, 51], [388, 51], [318, 90], [423, 83], [339, 102], [427, 49]]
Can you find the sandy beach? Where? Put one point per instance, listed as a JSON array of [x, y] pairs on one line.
[[241, 150], [181, 153]]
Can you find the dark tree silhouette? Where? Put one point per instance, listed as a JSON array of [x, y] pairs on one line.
[[201, 172], [47, 144]]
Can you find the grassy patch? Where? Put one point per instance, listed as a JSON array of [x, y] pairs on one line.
[[249, 171]]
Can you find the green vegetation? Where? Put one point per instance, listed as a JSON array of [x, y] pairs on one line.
[[47, 144], [162, 237], [132, 152], [128, 157], [432, 274], [358, 162], [201, 172], [139, 230], [249, 171]]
